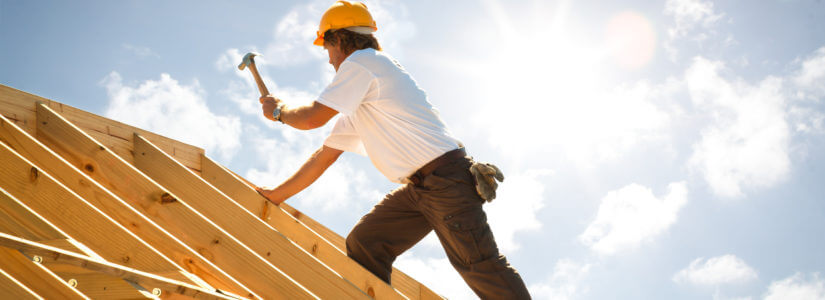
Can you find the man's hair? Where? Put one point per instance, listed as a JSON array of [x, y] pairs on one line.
[[350, 41]]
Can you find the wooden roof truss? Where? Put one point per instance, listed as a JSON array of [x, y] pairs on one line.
[[91, 208]]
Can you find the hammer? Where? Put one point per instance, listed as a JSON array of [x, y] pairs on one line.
[[248, 60]]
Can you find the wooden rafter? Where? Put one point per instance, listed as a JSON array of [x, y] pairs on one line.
[[297, 232], [257, 235], [87, 186], [77, 217], [20, 107], [35, 277], [157, 285], [130, 216], [282, 215], [166, 208]]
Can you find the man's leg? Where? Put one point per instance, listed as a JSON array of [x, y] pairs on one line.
[[393, 226], [451, 205]]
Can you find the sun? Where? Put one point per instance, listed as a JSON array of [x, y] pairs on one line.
[[545, 85]]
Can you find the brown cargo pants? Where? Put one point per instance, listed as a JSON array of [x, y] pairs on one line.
[[445, 201]]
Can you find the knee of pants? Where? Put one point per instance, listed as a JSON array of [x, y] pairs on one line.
[[351, 243], [354, 242]]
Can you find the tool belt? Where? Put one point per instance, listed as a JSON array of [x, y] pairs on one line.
[[485, 175], [434, 164]]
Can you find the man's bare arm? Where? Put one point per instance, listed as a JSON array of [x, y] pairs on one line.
[[305, 176], [301, 117]]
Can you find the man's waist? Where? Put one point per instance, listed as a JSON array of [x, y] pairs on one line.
[[436, 163]]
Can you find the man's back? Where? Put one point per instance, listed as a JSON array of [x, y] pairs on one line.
[[388, 112]]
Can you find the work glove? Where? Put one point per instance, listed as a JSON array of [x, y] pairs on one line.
[[485, 175]]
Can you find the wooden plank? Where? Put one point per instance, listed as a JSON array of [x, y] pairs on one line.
[[118, 209], [18, 220], [40, 280], [151, 282], [11, 288], [20, 107], [15, 215], [102, 286], [74, 215], [257, 235], [169, 210], [297, 232], [233, 184]]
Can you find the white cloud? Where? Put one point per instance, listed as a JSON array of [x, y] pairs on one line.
[[437, 274], [519, 195], [394, 24], [293, 36], [692, 20], [294, 33], [139, 51], [809, 88], [797, 287], [811, 76], [689, 14], [716, 271], [174, 110], [564, 283], [632, 215], [746, 144]]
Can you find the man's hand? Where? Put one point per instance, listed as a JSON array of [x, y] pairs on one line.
[[270, 195], [268, 105]]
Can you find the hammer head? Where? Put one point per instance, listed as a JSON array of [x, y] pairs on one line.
[[247, 60]]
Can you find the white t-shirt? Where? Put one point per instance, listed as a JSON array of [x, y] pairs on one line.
[[384, 115]]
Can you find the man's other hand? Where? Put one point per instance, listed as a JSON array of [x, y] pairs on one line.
[[268, 104], [269, 194]]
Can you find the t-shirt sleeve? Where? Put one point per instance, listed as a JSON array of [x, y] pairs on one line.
[[348, 88], [344, 137]]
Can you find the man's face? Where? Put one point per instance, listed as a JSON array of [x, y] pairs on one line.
[[336, 56]]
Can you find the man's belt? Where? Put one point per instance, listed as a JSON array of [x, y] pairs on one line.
[[433, 165]]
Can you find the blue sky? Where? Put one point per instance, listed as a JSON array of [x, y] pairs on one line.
[[653, 149]]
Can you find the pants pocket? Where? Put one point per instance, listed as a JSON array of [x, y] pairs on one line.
[[472, 238]]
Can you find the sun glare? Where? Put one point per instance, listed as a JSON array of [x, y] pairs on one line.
[[545, 86], [630, 40]]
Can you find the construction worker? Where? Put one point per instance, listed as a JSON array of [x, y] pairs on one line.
[[386, 116]]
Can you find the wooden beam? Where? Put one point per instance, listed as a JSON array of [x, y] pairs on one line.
[[283, 217], [11, 288], [118, 138], [118, 209], [169, 210], [159, 285], [257, 235], [74, 215], [21, 221], [42, 281], [101, 286], [18, 220], [20, 107], [296, 231]]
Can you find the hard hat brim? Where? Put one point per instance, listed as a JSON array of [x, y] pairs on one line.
[[319, 41]]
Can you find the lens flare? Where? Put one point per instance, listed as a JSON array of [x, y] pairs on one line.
[[630, 40]]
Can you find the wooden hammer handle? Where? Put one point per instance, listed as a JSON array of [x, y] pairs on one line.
[[258, 80]]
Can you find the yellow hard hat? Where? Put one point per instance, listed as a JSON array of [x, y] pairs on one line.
[[344, 14]]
